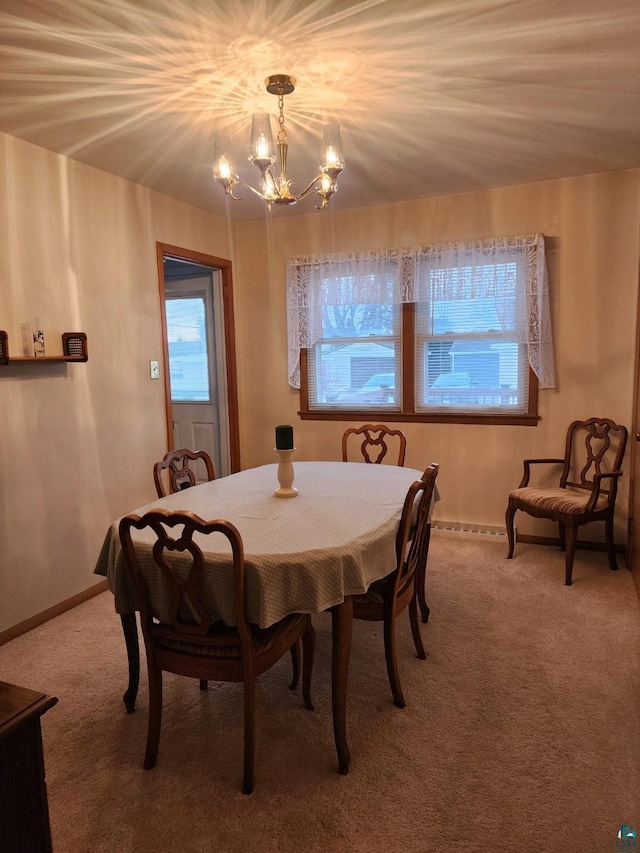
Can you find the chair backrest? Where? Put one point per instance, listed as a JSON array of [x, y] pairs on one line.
[[181, 467], [174, 564], [374, 443], [412, 539], [594, 446]]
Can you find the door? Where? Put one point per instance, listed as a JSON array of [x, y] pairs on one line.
[[633, 542], [199, 358], [196, 365]]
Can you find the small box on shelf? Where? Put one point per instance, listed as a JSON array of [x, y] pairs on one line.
[[75, 344]]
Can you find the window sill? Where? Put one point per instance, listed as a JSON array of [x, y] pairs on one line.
[[378, 415]]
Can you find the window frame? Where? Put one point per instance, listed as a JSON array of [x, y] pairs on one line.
[[408, 413]]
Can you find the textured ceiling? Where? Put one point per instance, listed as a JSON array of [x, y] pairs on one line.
[[433, 96]]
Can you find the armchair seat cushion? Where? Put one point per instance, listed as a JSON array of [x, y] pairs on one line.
[[566, 501]]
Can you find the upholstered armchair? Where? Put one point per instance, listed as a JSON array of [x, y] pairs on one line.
[[591, 469]]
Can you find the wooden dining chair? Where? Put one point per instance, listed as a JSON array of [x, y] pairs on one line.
[[388, 597], [181, 465], [377, 441], [591, 468], [187, 639]]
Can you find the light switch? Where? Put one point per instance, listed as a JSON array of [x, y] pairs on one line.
[[154, 371]]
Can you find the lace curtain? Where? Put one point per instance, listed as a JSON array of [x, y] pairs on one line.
[[512, 270]]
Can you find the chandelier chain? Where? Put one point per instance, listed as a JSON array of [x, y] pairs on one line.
[[282, 133]]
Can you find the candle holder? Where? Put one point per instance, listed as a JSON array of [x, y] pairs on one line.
[[285, 474]]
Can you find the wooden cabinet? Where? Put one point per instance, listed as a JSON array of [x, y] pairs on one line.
[[74, 348], [24, 811]]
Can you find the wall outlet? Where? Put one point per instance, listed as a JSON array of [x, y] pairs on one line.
[[154, 370]]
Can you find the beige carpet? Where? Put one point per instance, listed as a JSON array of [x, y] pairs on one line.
[[521, 732]]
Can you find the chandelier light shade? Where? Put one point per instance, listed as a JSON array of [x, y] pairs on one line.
[[264, 154]]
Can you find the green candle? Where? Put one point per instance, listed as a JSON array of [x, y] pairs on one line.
[[284, 438]]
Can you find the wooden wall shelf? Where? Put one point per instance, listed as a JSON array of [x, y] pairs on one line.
[[74, 348]]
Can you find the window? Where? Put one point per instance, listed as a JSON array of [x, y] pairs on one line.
[[188, 356], [450, 332], [356, 362], [468, 357]]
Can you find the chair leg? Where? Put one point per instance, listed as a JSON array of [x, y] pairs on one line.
[[611, 551], [308, 654], [571, 534], [204, 684], [563, 538], [155, 715], [392, 660], [511, 511], [130, 631], [295, 661], [421, 580], [415, 628], [249, 732]]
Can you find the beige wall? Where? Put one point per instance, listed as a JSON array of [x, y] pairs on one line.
[[78, 441], [591, 225]]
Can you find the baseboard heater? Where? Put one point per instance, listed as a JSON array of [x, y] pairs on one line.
[[500, 530], [480, 529]]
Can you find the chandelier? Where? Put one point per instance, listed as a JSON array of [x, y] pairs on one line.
[[276, 189]]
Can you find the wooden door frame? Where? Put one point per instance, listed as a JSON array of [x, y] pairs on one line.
[[165, 250], [632, 554]]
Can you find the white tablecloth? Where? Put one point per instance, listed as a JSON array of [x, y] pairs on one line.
[[302, 554]]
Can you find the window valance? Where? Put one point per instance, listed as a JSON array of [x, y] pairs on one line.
[[498, 267]]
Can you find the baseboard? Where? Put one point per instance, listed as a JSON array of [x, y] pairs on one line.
[[51, 612], [554, 540]]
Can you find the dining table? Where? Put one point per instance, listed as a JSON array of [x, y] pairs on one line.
[[307, 553]]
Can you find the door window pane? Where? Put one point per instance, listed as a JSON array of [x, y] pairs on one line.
[[188, 354]]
